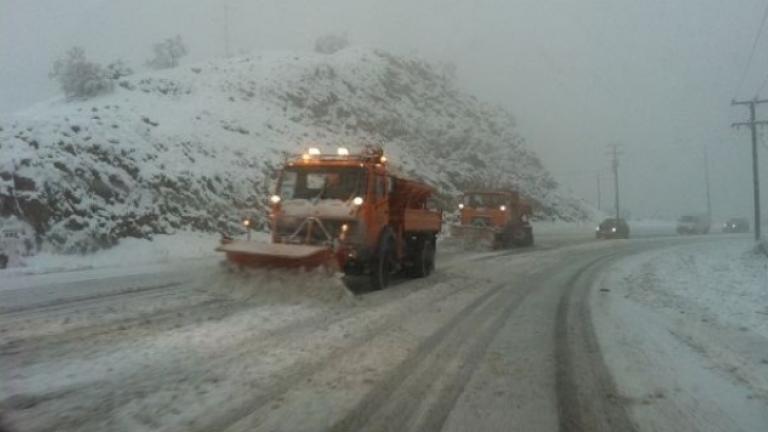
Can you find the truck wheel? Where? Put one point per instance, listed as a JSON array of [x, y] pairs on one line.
[[504, 240], [382, 263], [3, 261], [425, 259], [527, 239]]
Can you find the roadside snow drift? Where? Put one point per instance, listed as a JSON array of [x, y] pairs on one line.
[[194, 147], [685, 332]]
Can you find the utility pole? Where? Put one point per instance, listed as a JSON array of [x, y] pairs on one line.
[[752, 124], [599, 207], [615, 165], [706, 179]]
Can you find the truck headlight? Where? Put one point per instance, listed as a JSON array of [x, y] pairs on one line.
[[613, 229], [503, 208], [461, 206], [358, 201], [274, 199]]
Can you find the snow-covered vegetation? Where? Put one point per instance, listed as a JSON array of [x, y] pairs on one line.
[[80, 78], [167, 53], [195, 147], [331, 43]]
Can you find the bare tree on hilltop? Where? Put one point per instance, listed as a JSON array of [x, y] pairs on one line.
[[331, 43], [78, 77], [118, 69], [168, 53]]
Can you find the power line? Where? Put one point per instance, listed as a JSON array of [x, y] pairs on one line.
[[762, 86], [752, 52]]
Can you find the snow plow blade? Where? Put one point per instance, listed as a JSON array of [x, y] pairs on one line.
[[472, 233], [276, 255]]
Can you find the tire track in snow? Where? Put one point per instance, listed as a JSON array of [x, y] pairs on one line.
[[587, 397], [156, 377], [296, 374], [421, 392]]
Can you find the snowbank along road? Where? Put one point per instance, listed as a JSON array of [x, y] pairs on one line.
[[492, 341]]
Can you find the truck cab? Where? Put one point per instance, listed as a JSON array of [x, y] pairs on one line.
[[351, 211], [500, 216]]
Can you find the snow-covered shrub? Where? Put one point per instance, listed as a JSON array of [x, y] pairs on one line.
[[79, 77], [168, 53], [331, 43], [118, 69]]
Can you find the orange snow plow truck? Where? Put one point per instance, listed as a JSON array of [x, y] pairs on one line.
[[498, 217], [348, 213]]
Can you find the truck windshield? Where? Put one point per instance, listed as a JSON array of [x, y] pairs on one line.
[[322, 183], [485, 200]]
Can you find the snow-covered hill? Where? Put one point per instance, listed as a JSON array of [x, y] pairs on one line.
[[194, 147]]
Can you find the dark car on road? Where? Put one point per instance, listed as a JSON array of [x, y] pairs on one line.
[[612, 228], [736, 225], [690, 224]]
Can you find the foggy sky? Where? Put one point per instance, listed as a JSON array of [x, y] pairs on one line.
[[655, 76]]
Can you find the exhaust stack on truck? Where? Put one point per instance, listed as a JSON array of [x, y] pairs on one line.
[[348, 213]]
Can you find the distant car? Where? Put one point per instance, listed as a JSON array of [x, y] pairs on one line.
[[612, 228], [690, 224], [736, 225]]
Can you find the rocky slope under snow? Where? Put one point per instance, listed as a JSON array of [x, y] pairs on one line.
[[195, 147]]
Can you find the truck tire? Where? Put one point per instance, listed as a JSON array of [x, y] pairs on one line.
[[3, 261], [424, 255], [503, 240], [382, 261], [527, 239]]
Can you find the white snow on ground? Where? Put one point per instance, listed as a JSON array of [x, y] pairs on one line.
[[685, 333], [562, 228], [653, 225], [162, 249], [638, 228], [214, 346]]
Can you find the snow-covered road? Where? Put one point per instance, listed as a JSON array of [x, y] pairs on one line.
[[491, 341]]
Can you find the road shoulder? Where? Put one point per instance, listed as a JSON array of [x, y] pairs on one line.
[[677, 341]]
